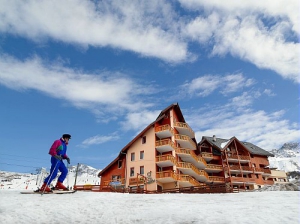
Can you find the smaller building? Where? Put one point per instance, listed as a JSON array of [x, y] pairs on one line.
[[278, 176]]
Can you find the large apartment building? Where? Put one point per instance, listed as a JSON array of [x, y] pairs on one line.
[[166, 155]]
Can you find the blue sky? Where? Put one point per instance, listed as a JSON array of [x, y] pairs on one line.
[[102, 71]]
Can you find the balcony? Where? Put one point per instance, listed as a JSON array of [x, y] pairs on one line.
[[192, 170], [207, 156], [247, 169], [187, 181], [166, 176], [216, 179], [258, 170], [188, 155], [185, 141], [244, 159], [184, 129], [233, 169], [232, 158], [165, 145], [213, 168], [267, 172], [164, 131], [115, 182], [237, 158], [165, 160], [136, 181], [242, 180], [239, 169]]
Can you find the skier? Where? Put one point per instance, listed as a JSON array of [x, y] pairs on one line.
[[58, 152]]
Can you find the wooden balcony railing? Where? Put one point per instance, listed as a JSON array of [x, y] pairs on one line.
[[231, 156], [186, 126], [189, 179], [192, 154], [216, 179], [187, 152], [185, 138], [115, 181], [203, 173], [207, 155], [189, 166], [234, 167], [247, 168], [242, 179], [214, 167], [166, 158], [247, 158], [165, 174], [165, 127], [165, 142], [239, 168], [200, 159], [135, 181]]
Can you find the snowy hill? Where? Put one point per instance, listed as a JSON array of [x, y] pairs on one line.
[[86, 175], [286, 158]]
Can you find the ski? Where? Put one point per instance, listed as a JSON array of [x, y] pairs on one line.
[[53, 192]]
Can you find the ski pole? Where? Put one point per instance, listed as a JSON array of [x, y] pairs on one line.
[[50, 176]]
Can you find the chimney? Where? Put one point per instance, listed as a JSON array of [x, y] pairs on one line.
[[214, 138]]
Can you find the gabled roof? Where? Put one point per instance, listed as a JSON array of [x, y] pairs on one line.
[[254, 149], [221, 143], [174, 106], [161, 116], [218, 143]]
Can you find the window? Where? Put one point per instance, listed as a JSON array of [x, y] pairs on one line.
[[119, 164], [141, 154], [116, 177], [143, 139], [132, 156], [132, 171], [142, 170]]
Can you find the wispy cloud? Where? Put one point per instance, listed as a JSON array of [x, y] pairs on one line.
[[267, 130], [99, 93], [99, 139], [207, 84], [144, 27], [244, 31], [137, 121]]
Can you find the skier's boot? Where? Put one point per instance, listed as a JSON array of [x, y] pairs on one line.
[[60, 186], [45, 188]]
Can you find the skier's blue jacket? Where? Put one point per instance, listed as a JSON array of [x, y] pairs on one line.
[[59, 147]]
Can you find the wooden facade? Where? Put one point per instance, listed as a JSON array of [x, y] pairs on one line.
[[165, 156]]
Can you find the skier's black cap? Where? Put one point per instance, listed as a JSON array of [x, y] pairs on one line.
[[66, 136]]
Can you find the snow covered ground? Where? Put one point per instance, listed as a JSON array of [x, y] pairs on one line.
[[93, 207]]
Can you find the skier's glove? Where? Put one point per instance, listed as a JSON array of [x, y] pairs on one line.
[[58, 157], [68, 160]]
